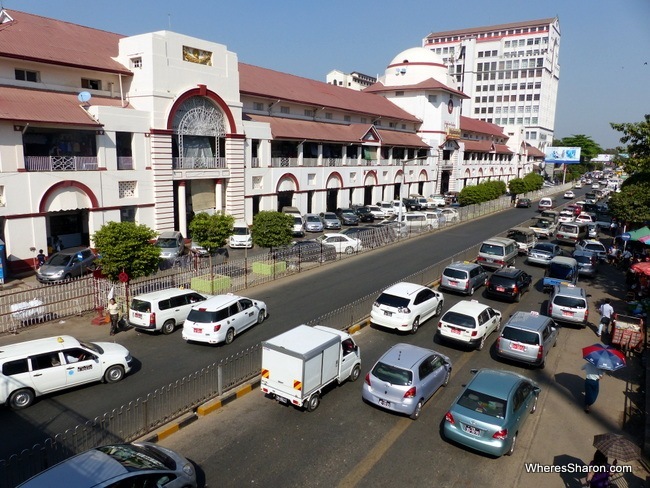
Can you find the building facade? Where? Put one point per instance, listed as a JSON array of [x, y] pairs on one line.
[[509, 72], [154, 128]]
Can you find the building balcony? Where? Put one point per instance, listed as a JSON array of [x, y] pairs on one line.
[[124, 162], [61, 163], [198, 163]]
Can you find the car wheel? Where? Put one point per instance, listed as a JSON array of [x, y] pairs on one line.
[[349, 250], [555, 342], [21, 399], [471, 291], [261, 316], [230, 336], [416, 325], [481, 343], [498, 327], [168, 327], [313, 402], [518, 297], [534, 407], [447, 378], [114, 374], [67, 277], [438, 309], [356, 372], [512, 446], [418, 409]]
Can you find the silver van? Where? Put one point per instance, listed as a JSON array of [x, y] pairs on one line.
[[527, 337], [163, 310], [463, 277], [568, 303], [497, 253], [571, 232]]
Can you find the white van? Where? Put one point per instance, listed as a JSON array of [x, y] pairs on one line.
[[416, 221], [34, 368], [163, 310], [222, 317]]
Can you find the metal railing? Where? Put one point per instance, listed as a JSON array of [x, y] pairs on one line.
[[198, 163], [61, 163]]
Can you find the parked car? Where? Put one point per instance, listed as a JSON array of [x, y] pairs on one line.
[[463, 277], [67, 264], [171, 244], [341, 242], [376, 211], [364, 213], [450, 214], [387, 207], [542, 253], [404, 306], [508, 283], [372, 235], [138, 464], [527, 337], [298, 226], [524, 203], [241, 236], [347, 216], [587, 263], [330, 220], [313, 223], [469, 322], [591, 245], [569, 194], [413, 204], [490, 411], [436, 201], [307, 250], [405, 377]]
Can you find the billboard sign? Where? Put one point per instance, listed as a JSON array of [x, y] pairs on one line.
[[562, 155]]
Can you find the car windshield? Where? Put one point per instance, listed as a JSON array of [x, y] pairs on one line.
[[595, 248], [166, 243], [203, 316], [392, 300], [460, 319], [582, 259], [542, 224], [560, 271], [491, 249], [391, 374], [313, 218], [297, 220], [240, 231], [329, 216], [520, 335], [347, 212], [59, 260], [92, 347], [501, 280], [141, 306], [137, 458], [570, 302], [519, 237], [483, 403], [455, 273], [543, 248]]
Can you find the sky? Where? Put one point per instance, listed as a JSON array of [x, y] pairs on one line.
[[604, 49]]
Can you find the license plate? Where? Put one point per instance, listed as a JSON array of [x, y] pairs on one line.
[[453, 283], [138, 315], [500, 288], [517, 347], [567, 314], [388, 313], [489, 260], [197, 331], [472, 430], [455, 331], [282, 399], [383, 403]]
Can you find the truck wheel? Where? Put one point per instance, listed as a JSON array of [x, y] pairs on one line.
[[168, 327], [416, 325], [313, 402], [356, 372], [21, 399], [230, 336], [114, 374]]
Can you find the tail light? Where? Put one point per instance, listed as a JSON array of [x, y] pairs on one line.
[[404, 310], [487, 284], [550, 309], [410, 393], [152, 319], [367, 380], [217, 327], [450, 418], [498, 342], [501, 434], [586, 315], [540, 353], [474, 333], [515, 290], [467, 285]]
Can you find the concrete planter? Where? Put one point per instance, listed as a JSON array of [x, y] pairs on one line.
[[205, 285], [263, 268]]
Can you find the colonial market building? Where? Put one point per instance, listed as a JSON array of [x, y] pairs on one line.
[[154, 128]]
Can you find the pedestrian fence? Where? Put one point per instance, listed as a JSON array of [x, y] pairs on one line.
[[165, 404]]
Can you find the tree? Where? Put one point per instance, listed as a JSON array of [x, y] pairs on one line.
[[588, 148], [517, 186], [126, 246], [533, 181], [637, 138], [632, 203], [272, 229], [211, 231]]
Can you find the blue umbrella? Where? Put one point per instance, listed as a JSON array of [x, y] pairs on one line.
[[604, 357]]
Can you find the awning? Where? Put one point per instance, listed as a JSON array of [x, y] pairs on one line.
[[641, 268], [637, 235]]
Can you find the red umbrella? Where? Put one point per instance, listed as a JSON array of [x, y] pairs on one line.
[[643, 268], [604, 357]]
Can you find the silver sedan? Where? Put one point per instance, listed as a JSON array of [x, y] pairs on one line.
[[542, 253]]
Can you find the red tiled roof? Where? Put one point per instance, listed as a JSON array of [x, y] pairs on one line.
[[44, 40], [534, 152], [266, 83], [485, 146], [502, 149], [479, 126], [490, 28], [20, 105], [285, 128], [429, 84]]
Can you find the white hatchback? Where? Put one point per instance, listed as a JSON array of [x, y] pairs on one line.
[[404, 306], [469, 322]]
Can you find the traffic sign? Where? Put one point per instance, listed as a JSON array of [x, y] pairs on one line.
[[626, 236]]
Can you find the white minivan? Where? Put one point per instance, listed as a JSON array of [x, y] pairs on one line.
[[163, 310], [34, 368]]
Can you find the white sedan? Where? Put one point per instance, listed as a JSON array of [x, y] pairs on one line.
[[342, 243], [569, 194], [376, 212]]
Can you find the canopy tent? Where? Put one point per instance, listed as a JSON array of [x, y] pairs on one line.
[[641, 268], [637, 235]]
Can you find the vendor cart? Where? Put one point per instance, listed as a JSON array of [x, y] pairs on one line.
[[628, 332]]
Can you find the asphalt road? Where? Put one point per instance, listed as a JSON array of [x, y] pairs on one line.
[[161, 359]]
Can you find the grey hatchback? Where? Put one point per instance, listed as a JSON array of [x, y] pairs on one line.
[[64, 265], [463, 277]]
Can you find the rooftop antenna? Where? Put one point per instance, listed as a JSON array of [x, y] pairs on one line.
[[169, 21]]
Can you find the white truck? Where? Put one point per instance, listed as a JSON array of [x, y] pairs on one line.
[[299, 363]]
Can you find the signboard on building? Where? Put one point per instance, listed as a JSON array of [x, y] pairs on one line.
[[562, 155], [453, 133]]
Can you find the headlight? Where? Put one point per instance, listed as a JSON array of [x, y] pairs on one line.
[[58, 273], [188, 469]]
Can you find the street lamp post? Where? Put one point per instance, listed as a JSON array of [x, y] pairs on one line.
[[401, 203]]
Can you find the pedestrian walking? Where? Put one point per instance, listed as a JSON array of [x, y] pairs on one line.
[[40, 258], [599, 472], [606, 311], [592, 384], [114, 314]]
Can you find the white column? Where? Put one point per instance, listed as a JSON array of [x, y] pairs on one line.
[[182, 209], [218, 195]]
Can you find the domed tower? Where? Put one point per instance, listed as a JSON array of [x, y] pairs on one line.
[[414, 66]]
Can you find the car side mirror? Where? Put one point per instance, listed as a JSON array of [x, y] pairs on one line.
[[537, 390]]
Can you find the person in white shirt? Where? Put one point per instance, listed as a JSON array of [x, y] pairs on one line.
[[606, 311], [114, 313]]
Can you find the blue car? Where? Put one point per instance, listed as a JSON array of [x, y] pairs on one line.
[[488, 415]]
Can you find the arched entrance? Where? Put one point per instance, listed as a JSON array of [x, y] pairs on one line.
[[333, 185], [285, 189], [369, 183]]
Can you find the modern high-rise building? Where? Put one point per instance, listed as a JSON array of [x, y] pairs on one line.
[[510, 73]]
